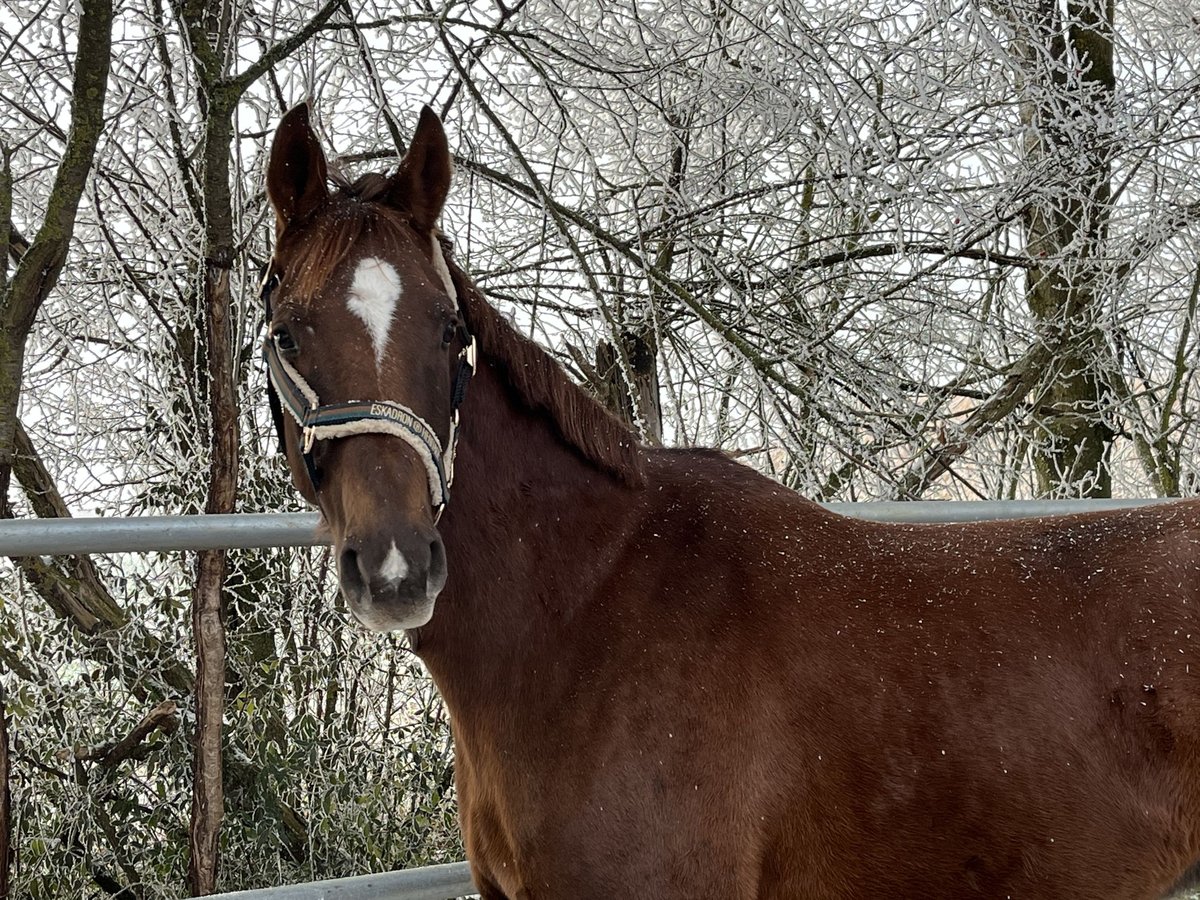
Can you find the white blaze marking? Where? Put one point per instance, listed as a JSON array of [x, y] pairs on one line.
[[394, 566], [373, 298]]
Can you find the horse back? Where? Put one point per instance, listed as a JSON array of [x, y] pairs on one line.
[[946, 710]]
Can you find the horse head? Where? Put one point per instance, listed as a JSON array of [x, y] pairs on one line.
[[368, 358]]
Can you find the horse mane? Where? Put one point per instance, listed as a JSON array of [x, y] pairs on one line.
[[534, 379], [541, 385]]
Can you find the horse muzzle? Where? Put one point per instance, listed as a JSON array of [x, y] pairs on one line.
[[391, 581]]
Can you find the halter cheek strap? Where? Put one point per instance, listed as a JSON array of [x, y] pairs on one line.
[[288, 390]]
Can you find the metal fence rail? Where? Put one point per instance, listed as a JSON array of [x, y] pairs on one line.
[[426, 883], [143, 534], [52, 537]]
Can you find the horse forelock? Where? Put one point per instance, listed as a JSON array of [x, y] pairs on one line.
[[312, 250]]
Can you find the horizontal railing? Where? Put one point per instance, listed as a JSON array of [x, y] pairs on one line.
[[427, 883], [144, 534]]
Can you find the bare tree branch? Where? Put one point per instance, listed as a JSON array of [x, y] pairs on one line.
[[41, 263], [162, 717], [237, 85]]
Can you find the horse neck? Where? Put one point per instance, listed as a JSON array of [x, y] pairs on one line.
[[529, 530]]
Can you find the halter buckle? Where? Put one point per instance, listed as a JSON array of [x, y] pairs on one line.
[[309, 437], [451, 451]]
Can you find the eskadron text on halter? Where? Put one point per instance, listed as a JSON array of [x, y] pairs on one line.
[[287, 389]]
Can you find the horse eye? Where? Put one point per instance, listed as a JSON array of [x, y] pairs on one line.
[[448, 334], [283, 339]]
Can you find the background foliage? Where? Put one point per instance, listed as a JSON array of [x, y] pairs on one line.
[[876, 250]]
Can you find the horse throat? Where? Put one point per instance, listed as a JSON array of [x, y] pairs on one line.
[[530, 531]]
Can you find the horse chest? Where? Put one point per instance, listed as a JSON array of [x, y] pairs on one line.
[[625, 828]]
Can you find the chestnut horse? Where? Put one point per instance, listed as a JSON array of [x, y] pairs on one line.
[[668, 676]]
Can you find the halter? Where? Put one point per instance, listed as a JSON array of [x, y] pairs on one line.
[[287, 389]]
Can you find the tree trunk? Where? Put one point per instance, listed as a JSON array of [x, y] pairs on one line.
[[208, 614], [36, 274], [6, 841], [210, 30], [42, 261], [638, 404], [1071, 80], [626, 372]]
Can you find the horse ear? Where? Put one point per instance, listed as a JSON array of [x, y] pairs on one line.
[[423, 180], [296, 171]]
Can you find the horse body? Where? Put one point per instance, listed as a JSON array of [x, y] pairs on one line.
[[707, 686], [671, 678]]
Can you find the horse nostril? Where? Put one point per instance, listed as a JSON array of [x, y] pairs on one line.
[[349, 571]]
